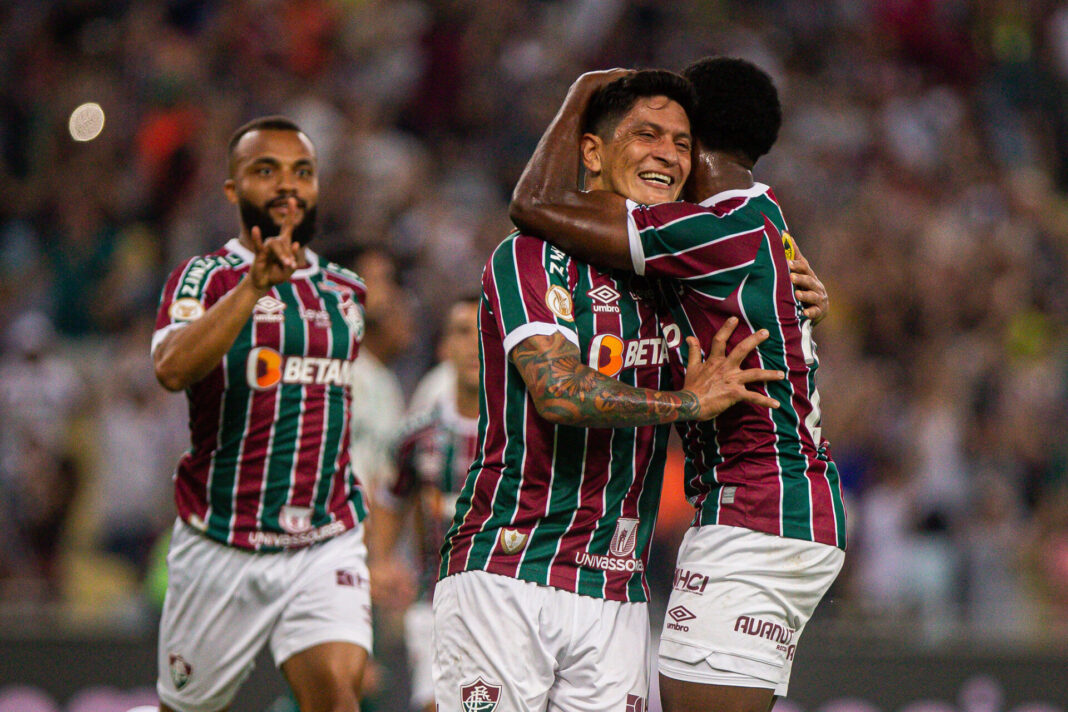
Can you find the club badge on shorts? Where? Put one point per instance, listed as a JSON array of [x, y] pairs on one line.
[[635, 703], [181, 671], [480, 696]]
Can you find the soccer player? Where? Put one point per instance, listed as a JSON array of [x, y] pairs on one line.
[[769, 526], [268, 546], [432, 457], [542, 600]]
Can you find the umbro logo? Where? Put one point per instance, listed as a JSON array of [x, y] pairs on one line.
[[269, 305], [679, 614], [603, 294], [607, 298], [268, 309]]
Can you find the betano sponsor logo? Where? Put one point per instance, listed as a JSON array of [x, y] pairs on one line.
[[611, 355], [266, 368]]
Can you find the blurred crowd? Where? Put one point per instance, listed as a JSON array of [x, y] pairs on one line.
[[923, 165]]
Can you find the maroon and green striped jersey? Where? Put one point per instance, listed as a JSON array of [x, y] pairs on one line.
[[433, 455], [268, 467], [764, 469], [556, 505]]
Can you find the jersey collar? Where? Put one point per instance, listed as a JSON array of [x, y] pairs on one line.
[[757, 189], [235, 246]]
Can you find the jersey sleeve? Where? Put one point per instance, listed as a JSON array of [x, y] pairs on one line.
[[190, 291], [527, 285], [685, 241]]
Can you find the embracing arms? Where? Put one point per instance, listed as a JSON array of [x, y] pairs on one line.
[[567, 392]]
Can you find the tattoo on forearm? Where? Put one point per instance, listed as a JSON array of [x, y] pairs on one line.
[[579, 395]]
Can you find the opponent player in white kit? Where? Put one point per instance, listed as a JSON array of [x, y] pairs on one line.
[[268, 546]]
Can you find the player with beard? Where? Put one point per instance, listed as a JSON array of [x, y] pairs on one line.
[[768, 534], [268, 545]]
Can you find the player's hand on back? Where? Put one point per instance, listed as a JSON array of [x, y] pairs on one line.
[[276, 257], [808, 288], [719, 381]]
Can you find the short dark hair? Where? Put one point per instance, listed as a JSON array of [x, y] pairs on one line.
[[263, 123], [610, 103], [738, 107]]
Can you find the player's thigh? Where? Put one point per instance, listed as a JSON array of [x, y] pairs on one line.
[[418, 637], [328, 599], [488, 649], [684, 696], [218, 612], [739, 603], [606, 665], [326, 677]]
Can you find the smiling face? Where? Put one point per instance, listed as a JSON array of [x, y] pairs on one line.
[[647, 157], [268, 166]]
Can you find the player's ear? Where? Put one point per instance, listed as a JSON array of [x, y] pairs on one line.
[[230, 189], [591, 146]]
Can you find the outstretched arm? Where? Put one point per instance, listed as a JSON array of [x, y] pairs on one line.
[[567, 392], [547, 201]]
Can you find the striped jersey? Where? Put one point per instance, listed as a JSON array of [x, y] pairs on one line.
[[433, 455], [764, 469], [268, 467], [556, 505]]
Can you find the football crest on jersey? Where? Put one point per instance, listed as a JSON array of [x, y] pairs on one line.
[[513, 540], [625, 537], [295, 519], [635, 703], [181, 671], [558, 300], [186, 309], [480, 696]]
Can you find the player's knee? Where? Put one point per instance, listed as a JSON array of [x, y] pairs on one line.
[[336, 697]]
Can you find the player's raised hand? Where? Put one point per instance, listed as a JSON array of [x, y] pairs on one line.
[[808, 288], [591, 81], [276, 257], [719, 381]]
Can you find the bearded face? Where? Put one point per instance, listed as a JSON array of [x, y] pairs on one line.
[[253, 215]]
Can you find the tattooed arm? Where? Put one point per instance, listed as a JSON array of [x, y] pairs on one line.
[[567, 392]]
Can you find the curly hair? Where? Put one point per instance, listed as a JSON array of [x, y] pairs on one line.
[[738, 107]]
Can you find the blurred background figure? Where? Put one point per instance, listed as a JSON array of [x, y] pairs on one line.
[[432, 456]]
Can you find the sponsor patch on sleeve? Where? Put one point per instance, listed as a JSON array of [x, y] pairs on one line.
[[788, 245], [186, 309]]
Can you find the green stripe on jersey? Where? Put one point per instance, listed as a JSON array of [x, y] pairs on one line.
[[758, 302], [285, 433], [507, 282], [237, 397], [334, 415]]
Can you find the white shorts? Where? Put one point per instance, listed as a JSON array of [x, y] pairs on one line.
[[418, 639], [514, 646], [223, 604], [739, 602]]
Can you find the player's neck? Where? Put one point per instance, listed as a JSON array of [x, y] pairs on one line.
[[714, 172]]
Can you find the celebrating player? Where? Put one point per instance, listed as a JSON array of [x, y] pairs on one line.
[[542, 599], [268, 546], [769, 526]]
